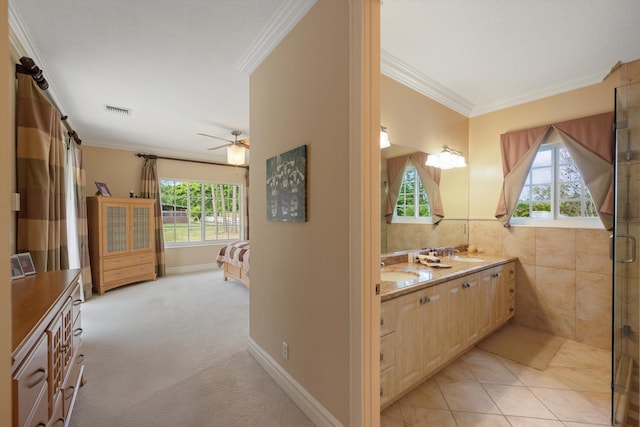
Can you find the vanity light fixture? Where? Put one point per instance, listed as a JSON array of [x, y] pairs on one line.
[[384, 138], [448, 158], [235, 154]]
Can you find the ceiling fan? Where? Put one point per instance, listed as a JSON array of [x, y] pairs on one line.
[[235, 148]]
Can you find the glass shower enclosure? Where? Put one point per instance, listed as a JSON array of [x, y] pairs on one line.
[[624, 253]]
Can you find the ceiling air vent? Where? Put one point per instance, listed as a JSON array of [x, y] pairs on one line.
[[117, 110]]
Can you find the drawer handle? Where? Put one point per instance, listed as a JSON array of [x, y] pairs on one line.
[[59, 420], [80, 358], [41, 423], [41, 375], [77, 332], [77, 302]]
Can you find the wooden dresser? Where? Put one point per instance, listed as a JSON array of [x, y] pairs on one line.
[[47, 365], [121, 241]]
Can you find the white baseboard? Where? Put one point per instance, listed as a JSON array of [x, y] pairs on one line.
[[193, 268], [300, 396]]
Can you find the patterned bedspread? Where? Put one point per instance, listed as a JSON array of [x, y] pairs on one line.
[[236, 253]]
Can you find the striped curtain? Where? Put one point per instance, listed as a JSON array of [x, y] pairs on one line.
[[80, 187], [40, 155], [150, 189]]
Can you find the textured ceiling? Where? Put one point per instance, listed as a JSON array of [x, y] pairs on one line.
[[183, 67]]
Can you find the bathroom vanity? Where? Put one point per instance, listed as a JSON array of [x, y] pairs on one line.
[[432, 315]]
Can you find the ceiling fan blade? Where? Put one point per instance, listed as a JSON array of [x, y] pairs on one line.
[[244, 143], [220, 146], [216, 137]]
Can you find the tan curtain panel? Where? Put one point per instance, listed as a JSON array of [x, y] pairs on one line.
[[430, 177], [40, 157], [589, 140], [80, 188], [395, 172], [150, 189]]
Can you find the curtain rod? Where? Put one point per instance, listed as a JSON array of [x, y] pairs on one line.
[[153, 156], [28, 66]]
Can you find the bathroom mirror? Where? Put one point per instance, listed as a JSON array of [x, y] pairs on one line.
[[453, 230]]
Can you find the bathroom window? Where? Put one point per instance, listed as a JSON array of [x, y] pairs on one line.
[[554, 190], [195, 212], [413, 204]]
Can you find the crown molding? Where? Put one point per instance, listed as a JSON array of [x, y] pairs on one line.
[[281, 23], [540, 92], [407, 75]]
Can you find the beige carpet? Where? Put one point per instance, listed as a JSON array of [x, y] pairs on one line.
[[173, 353], [522, 345]]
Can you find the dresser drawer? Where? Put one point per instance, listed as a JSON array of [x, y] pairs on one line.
[[118, 262], [387, 317], [40, 414], [30, 379], [387, 351], [127, 272]]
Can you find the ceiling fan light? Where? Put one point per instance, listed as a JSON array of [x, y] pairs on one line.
[[235, 154]]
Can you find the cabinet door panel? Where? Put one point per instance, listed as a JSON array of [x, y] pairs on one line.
[[454, 318], [472, 302], [408, 338], [115, 229], [434, 329]]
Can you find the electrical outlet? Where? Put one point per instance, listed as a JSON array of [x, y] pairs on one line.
[[285, 350]]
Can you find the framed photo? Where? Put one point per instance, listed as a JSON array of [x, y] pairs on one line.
[[16, 269], [26, 263], [287, 186], [103, 190]]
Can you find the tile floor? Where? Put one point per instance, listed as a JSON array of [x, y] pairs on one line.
[[482, 389]]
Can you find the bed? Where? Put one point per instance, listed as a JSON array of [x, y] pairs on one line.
[[234, 257]]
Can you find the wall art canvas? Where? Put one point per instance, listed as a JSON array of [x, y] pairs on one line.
[[287, 186]]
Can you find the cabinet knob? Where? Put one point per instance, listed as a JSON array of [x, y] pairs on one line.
[[381, 391], [512, 290], [381, 357], [511, 309], [382, 321], [77, 332]]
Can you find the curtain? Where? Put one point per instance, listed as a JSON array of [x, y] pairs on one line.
[[40, 158], [79, 185], [589, 140], [429, 176], [150, 189], [395, 172]]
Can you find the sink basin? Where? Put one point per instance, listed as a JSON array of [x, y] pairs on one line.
[[467, 259], [397, 276]]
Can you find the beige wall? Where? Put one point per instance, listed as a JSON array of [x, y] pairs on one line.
[[300, 280], [6, 142], [121, 170]]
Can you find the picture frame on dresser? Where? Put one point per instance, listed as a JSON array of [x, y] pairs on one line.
[[26, 263], [103, 190], [16, 268]]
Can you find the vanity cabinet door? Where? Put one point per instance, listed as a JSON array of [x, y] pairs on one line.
[[434, 328], [408, 339], [455, 313], [472, 313]]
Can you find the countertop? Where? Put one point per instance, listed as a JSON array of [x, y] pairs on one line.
[[430, 276]]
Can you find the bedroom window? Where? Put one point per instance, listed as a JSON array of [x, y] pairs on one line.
[[200, 212]]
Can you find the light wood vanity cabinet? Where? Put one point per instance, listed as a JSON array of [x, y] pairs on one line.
[[46, 361], [121, 241], [434, 325]]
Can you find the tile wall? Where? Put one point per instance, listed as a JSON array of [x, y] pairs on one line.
[[563, 280]]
